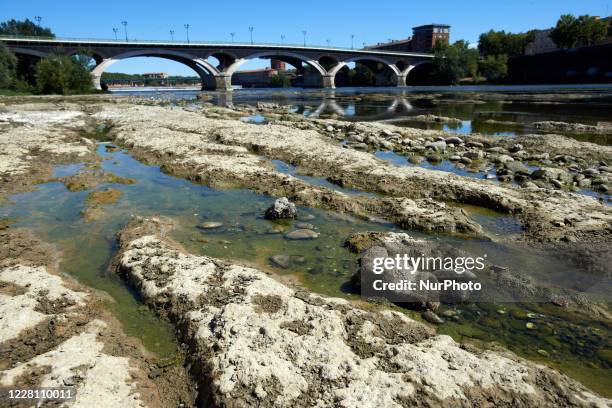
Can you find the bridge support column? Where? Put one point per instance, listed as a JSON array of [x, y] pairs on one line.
[[329, 81], [401, 80], [223, 82]]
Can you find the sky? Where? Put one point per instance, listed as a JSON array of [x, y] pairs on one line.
[[370, 21]]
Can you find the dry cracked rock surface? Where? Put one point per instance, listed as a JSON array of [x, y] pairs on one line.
[[54, 333], [258, 342], [225, 151]]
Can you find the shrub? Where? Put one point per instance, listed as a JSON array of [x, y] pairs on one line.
[[62, 74]]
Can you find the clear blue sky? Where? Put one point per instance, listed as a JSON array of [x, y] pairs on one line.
[[370, 21]]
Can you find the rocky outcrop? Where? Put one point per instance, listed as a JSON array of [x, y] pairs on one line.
[[255, 341], [53, 333]]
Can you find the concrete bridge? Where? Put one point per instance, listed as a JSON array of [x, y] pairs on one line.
[[216, 62]]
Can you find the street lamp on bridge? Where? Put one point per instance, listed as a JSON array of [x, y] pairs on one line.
[[352, 38], [304, 34], [172, 34], [38, 19], [282, 39], [124, 24], [251, 30], [187, 29], [115, 29], [328, 41], [232, 34]]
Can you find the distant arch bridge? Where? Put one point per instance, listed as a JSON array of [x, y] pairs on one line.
[[324, 62]]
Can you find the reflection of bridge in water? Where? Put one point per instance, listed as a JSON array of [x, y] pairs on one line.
[[215, 63], [330, 105]]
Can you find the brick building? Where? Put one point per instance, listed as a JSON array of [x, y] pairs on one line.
[[423, 39]]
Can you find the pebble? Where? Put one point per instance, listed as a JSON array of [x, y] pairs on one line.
[[211, 225], [431, 317], [301, 234], [281, 260], [530, 326], [304, 225]]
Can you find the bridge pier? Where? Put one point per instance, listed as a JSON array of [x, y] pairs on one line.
[[329, 81], [223, 82], [401, 80]]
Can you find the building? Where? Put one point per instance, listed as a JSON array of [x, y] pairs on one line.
[[255, 78], [423, 39], [541, 43], [155, 75], [277, 64]]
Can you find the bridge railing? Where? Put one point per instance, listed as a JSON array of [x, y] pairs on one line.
[[202, 43]]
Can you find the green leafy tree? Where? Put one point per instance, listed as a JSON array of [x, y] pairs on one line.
[[454, 62], [8, 67], [494, 67], [62, 74], [501, 42], [591, 30], [24, 28], [280, 80], [582, 31]]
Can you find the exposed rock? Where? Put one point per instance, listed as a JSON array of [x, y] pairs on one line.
[[281, 209], [517, 167], [570, 127]]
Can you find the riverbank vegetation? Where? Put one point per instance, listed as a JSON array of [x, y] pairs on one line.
[[453, 63], [56, 74]]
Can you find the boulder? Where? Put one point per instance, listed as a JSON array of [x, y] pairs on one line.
[[281, 209]]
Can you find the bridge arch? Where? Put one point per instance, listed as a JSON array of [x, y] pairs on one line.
[[376, 65], [282, 55], [202, 67]]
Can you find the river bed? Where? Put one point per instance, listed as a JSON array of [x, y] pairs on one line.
[[577, 347]]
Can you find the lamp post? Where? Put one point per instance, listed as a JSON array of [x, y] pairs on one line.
[[124, 24], [304, 34], [38, 19], [251, 30], [187, 30], [282, 39], [232, 34], [115, 29], [172, 35], [352, 38], [328, 41]]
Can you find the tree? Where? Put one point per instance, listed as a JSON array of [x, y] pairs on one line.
[[280, 80], [454, 62], [8, 67], [501, 42], [582, 31], [494, 67], [62, 74], [24, 28], [591, 30]]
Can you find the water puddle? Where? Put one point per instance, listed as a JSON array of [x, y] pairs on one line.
[[255, 119]]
